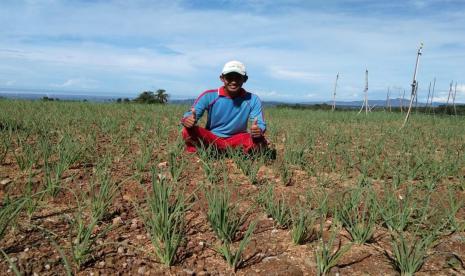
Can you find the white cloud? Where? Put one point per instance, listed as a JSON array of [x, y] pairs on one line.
[[306, 48], [311, 95], [286, 74], [80, 83], [273, 95], [440, 99], [461, 89]]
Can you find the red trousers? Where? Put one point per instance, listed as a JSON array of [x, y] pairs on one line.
[[196, 135]]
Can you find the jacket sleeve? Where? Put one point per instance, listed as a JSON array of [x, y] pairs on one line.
[[200, 105], [257, 112]]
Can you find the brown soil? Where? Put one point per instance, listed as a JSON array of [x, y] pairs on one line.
[[127, 250]]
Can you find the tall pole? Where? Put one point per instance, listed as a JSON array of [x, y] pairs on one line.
[[429, 94], [366, 92], [448, 96], [388, 100], [453, 99], [432, 95], [414, 85], [334, 93], [402, 102], [365, 102]]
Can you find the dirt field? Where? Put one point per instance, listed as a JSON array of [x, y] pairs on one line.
[[54, 153]]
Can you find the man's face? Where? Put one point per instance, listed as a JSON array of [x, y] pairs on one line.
[[232, 82]]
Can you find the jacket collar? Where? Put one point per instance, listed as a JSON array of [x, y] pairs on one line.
[[223, 93]]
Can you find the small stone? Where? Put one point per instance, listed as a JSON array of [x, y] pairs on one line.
[[23, 255], [140, 237], [141, 270], [5, 181], [101, 264], [35, 274], [117, 221], [162, 165], [121, 250], [188, 271], [125, 265], [268, 259], [26, 249], [47, 267], [201, 244], [134, 224], [13, 259], [110, 262]]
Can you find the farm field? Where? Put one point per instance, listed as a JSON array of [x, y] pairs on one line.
[[106, 189]]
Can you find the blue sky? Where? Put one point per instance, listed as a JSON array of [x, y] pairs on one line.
[[292, 49]]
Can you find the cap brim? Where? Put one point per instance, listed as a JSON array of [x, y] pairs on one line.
[[234, 71]]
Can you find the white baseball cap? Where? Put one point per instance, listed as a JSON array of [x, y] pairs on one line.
[[234, 66]]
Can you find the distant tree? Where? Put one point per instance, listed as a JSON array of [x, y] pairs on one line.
[[126, 100], [149, 97], [146, 97], [47, 99], [119, 100]]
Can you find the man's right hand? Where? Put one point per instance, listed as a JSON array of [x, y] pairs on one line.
[[189, 121]]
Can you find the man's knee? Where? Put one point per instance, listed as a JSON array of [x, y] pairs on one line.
[[192, 132]]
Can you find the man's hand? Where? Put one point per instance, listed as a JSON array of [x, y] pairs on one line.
[[189, 121], [255, 131]]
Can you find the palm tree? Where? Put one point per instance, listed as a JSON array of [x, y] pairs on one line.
[[161, 96]]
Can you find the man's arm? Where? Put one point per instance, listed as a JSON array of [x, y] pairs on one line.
[[191, 117]]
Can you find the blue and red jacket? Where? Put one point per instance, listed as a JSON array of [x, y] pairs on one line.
[[228, 116]]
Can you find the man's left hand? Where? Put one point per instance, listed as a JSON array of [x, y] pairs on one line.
[[255, 131]]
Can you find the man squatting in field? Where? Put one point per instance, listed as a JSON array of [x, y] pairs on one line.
[[229, 109]]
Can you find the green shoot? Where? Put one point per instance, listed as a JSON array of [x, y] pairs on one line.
[[357, 213], [235, 258], [164, 219], [223, 217], [302, 226], [278, 210], [326, 256]]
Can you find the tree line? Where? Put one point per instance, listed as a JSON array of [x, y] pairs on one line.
[[148, 97]]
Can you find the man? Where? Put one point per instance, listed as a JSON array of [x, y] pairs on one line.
[[229, 109]]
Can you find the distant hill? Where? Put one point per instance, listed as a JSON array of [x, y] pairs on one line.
[[63, 97], [191, 101], [358, 104], [39, 94], [380, 103]]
